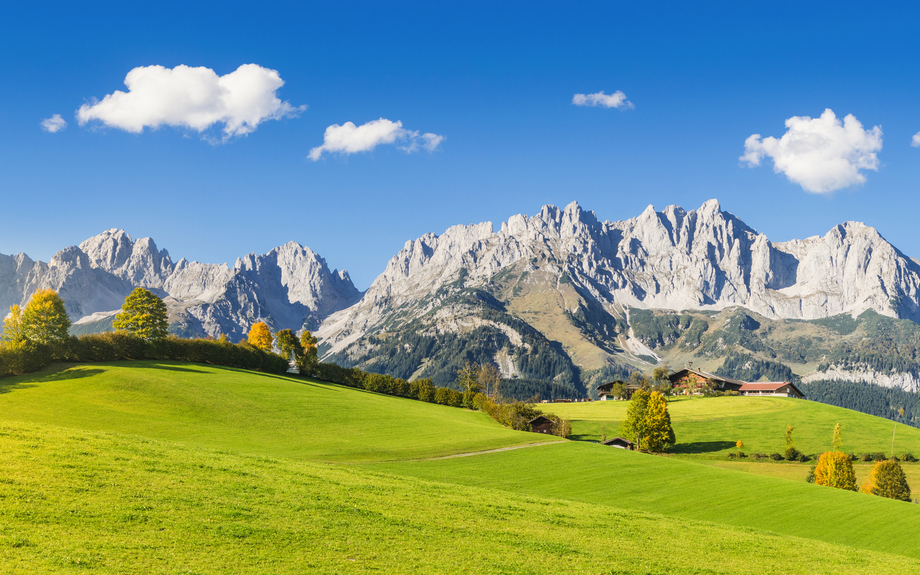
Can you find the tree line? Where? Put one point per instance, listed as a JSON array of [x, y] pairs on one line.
[[37, 335]]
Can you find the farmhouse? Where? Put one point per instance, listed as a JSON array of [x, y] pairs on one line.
[[772, 388], [541, 424], [699, 377], [604, 389]]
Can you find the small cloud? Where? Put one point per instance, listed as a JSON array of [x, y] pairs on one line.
[[350, 139], [193, 98], [915, 141], [616, 100], [820, 154], [54, 124]]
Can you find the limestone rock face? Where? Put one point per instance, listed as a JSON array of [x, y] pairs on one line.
[[289, 287], [674, 259]]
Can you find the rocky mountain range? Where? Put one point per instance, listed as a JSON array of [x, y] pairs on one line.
[[289, 287], [555, 300]]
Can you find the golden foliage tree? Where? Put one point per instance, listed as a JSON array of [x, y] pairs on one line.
[[44, 319], [308, 354], [144, 315], [887, 479], [260, 336], [12, 327], [659, 433], [835, 468]]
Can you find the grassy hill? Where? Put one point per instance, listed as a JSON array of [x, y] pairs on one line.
[[154, 467], [708, 427], [247, 412], [606, 476]]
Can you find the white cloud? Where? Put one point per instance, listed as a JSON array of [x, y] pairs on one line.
[[616, 100], [194, 98], [915, 141], [54, 124], [820, 154], [350, 139]]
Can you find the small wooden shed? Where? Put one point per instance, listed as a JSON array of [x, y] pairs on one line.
[[620, 443], [541, 424]]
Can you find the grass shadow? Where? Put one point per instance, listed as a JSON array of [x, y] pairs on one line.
[[698, 447]]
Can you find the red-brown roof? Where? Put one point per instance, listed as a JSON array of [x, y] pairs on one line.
[[763, 385]]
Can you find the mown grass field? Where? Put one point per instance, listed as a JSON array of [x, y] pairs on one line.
[[147, 467], [607, 476], [76, 501], [708, 427], [247, 412]]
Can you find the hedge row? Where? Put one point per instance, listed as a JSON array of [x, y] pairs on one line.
[[29, 356]]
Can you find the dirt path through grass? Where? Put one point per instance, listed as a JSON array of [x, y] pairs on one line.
[[487, 451]]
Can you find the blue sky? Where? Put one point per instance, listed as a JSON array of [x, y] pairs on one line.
[[496, 83]]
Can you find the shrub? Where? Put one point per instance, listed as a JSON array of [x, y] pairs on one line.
[[909, 457], [776, 457], [834, 469], [879, 456], [442, 396], [865, 457], [887, 479], [810, 478], [759, 456], [793, 454], [732, 455]]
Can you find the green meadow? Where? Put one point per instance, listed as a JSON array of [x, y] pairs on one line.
[[247, 412], [153, 467], [708, 427]]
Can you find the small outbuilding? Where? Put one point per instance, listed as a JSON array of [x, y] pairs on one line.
[[620, 443], [772, 388], [541, 424]]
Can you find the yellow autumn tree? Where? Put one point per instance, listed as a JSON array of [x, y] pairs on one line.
[[835, 468], [44, 319], [12, 327], [659, 433], [260, 336]]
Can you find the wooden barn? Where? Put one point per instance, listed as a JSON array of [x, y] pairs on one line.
[[541, 424], [772, 388], [620, 443]]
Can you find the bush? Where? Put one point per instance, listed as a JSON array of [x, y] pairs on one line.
[[887, 479], [759, 456], [834, 469], [865, 457], [732, 455], [879, 456], [909, 457], [776, 457], [793, 454]]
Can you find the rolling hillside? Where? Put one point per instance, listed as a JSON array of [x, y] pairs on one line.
[[145, 466]]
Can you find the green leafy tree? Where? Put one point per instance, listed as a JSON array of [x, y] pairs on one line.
[[44, 319], [887, 479], [260, 336], [144, 315], [12, 327], [490, 381], [308, 359], [289, 345], [635, 426]]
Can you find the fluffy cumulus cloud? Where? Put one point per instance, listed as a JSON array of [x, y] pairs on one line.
[[192, 98], [616, 100], [915, 141], [54, 124], [820, 154], [349, 138]]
